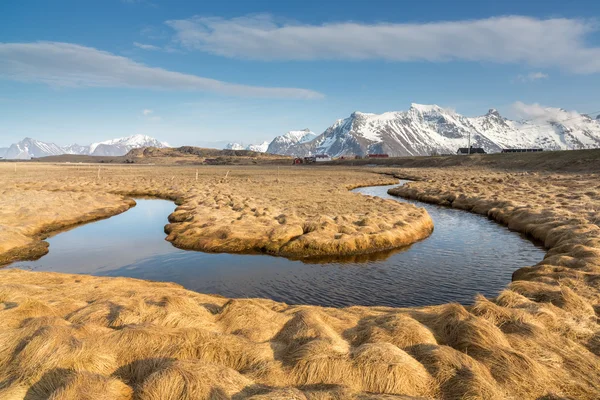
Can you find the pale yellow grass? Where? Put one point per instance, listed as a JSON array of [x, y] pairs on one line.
[[75, 336], [288, 211]]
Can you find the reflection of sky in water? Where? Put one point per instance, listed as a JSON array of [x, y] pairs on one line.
[[466, 254]]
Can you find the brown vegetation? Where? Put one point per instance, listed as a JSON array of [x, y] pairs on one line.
[[559, 161], [289, 211], [75, 336], [185, 155]]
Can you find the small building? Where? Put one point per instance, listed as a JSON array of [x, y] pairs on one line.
[[322, 157], [521, 150], [378, 155], [463, 151], [309, 160]]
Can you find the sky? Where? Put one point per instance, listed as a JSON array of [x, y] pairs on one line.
[[196, 72]]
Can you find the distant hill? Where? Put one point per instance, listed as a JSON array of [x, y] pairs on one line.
[[180, 156], [199, 155]]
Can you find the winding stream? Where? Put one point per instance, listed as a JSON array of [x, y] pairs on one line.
[[465, 255]]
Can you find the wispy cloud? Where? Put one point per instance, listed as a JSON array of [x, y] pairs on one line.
[[144, 46], [532, 76], [72, 65], [555, 42], [149, 115]]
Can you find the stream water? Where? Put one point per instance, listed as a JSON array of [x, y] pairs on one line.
[[465, 255]]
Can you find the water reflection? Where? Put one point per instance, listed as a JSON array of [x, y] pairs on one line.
[[466, 254]]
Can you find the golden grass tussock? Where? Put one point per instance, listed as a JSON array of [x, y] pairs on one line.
[[190, 380], [78, 337], [384, 368], [457, 375], [398, 329]]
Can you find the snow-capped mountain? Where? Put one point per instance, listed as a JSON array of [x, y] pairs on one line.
[[234, 146], [279, 145], [427, 129], [3, 151], [121, 146], [31, 148], [282, 144], [76, 149], [260, 148], [28, 148]]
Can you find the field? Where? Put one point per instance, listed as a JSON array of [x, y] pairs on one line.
[[557, 161], [287, 211], [75, 336]]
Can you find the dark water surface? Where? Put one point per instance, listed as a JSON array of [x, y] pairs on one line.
[[465, 255]]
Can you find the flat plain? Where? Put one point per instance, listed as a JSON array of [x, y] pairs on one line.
[[76, 336]]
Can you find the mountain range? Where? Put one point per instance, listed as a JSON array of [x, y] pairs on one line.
[[279, 145], [430, 129], [422, 130], [261, 148], [31, 148]]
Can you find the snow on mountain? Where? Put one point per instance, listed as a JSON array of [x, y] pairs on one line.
[[121, 146], [260, 148], [76, 149], [425, 129], [31, 148], [28, 148], [282, 144], [3, 151], [235, 146]]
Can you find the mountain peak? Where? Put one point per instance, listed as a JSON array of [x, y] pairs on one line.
[[234, 146], [357, 114], [493, 112], [426, 108]]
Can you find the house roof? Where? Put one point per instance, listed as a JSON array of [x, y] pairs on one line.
[[474, 150]]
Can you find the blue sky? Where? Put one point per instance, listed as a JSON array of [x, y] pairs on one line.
[[190, 72]]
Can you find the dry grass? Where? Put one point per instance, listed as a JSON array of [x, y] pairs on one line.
[[289, 211], [75, 336]]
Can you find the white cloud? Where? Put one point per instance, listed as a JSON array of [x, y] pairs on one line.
[[532, 76], [555, 42], [72, 65], [536, 111], [144, 46], [149, 115]]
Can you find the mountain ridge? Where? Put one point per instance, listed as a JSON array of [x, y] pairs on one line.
[[431, 129], [31, 148]]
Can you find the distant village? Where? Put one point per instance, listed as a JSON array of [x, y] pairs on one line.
[[462, 151]]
